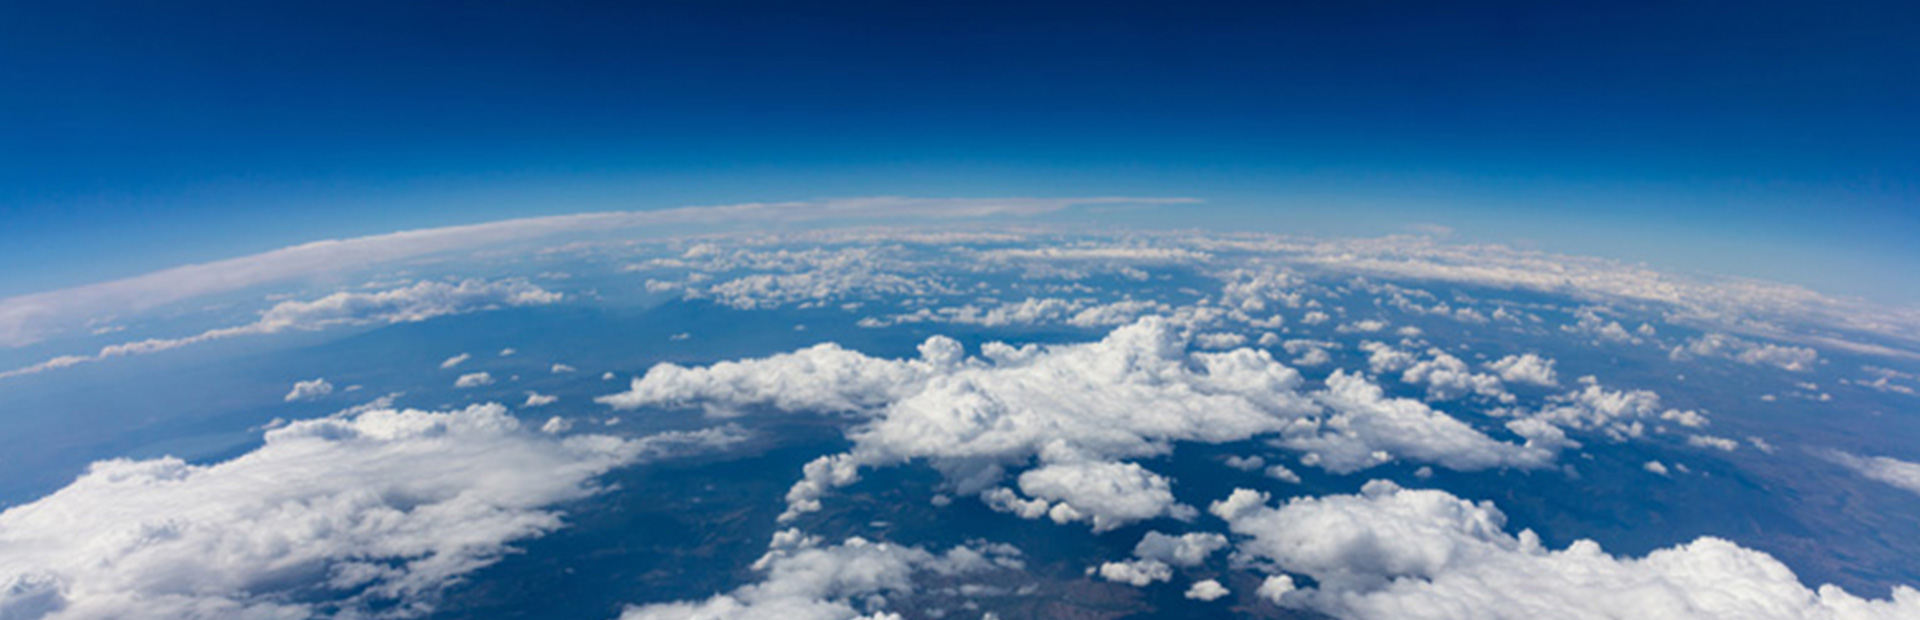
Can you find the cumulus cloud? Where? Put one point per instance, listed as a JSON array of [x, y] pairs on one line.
[[455, 361], [1136, 573], [1206, 590], [366, 515], [803, 580], [1527, 368], [473, 380], [536, 399], [1396, 553], [1722, 346], [1368, 428], [1896, 472], [418, 302], [1077, 412], [1447, 378], [1189, 549], [309, 390]]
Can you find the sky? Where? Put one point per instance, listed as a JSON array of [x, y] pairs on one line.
[[1764, 139]]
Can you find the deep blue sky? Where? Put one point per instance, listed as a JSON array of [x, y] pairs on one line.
[[1773, 139]]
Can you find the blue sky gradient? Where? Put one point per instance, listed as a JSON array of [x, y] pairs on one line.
[[1768, 139]]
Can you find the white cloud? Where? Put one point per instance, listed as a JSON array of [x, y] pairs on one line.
[[1078, 411], [1282, 473], [1409, 554], [562, 368], [419, 302], [1710, 441], [536, 399], [455, 361], [368, 515], [26, 319], [473, 380], [1655, 467], [1207, 590], [1366, 326], [1103, 493], [1886, 469], [1527, 368], [1189, 549], [1447, 378], [1247, 463], [1136, 573], [851, 580], [1797, 359], [309, 390], [1367, 428]]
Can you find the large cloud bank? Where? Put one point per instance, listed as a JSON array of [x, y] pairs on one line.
[[1077, 413], [368, 515], [1403, 554]]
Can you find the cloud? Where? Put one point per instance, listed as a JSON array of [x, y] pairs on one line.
[[26, 319], [1367, 428], [1886, 469], [455, 361], [1527, 368], [1390, 552], [803, 580], [1136, 573], [1796, 359], [1207, 590], [418, 302], [367, 515], [1076, 413], [1448, 378], [309, 390], [536, 399], [1184, 550], [473, 380]]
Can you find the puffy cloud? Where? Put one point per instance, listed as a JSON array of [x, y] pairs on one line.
[[1590, 323], [1077, 410], [1366, 326], [1527, 368], [1367, 428], [1886, 469], [1447, 378], [309, 390], [1620, 414], [1136, 573], [1282, 473], [1189, 549], [455, 361], [1797, 359], [473, 380], [1207, 590], [1396, 553], [1382, 358], [364, 515], [1247, 463], [1655, 467], [1106, 494], [1710, 441], [536, 399], [805, 581], [418, 302], [1219, 340], [562, 368]]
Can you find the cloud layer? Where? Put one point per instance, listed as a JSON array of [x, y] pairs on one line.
[[1394, 553], [369, 514]]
